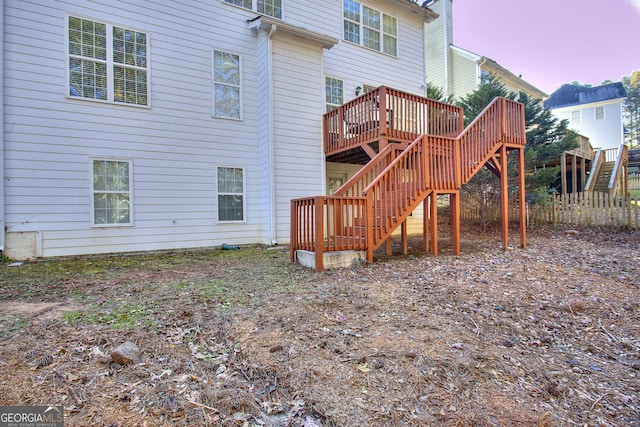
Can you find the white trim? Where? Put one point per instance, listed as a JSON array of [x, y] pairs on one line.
[[244, 195], [92, 192], [108, 62], [361, 26], [213, 84], [254, 8]]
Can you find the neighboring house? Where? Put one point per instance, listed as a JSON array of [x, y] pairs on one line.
[[456, 70], [595, 112], [133, 126]]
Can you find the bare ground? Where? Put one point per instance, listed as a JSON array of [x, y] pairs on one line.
[[545, 336]]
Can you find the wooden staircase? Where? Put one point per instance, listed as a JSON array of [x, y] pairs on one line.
[[422, 152], [609, 171]]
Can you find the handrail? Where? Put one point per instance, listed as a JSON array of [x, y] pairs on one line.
[[595, 169], [615, 174], [357, 183], [501, 120], [406, 116]]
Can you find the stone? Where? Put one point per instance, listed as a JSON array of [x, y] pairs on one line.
[[126, 353]]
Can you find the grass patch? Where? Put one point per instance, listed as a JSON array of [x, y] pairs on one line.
[[135, 290], [11, 323]]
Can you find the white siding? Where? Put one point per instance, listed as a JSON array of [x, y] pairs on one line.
[[606, 133], [356, 65], [466, 74], [176, 145], [298, 87]]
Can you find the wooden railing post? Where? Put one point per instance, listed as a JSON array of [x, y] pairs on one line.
[[368, 223], [319, 229], [293, 245]]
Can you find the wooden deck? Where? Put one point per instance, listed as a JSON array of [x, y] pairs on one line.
[[418, 150]]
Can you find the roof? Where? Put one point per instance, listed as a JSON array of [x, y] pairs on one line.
[[570, 94], [492, 66], [414, 7]]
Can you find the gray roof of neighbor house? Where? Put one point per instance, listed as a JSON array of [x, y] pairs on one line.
[[569, 95]]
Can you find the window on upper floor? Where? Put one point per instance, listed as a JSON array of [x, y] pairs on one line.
[[111, 187], [334, 93], [271, 8], [226, 85], [576, 118], [370, 28], [107, 63], [230, 194], [599, 113]]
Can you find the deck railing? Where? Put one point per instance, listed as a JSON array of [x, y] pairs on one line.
[[405, 117], [502, 120], [328, 224], [375, 201]]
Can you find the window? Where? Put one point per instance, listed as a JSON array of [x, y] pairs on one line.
[[599, 113], [107, 63], [370, 28], [230, 194], [111, 192], [266, 7], [576, 118], [334, 94], [226, 85]]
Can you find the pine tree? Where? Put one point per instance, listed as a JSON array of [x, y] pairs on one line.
[[547, 138], [632, 109]]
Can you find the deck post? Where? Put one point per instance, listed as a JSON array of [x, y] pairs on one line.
[[319, 235], [434, 223], [369, 224], [425, 223], [454, 215], [403, 233], [523, 199], [504, 197], [293, 240]]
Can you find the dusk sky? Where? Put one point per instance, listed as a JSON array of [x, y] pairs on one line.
[[552, 42]]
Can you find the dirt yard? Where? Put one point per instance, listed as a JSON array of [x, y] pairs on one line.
[[546, 336]]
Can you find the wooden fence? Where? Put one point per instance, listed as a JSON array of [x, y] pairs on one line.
[[576, 209], [634, 181]]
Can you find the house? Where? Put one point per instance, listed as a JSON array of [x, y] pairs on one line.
[[595, 112], [459, 71], [158, 125]]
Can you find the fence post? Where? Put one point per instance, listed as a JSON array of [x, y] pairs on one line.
[[553, 209]]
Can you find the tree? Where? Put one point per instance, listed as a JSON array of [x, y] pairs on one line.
[[631, 112], [437, 93], [547, 138]]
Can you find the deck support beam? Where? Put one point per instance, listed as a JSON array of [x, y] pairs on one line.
[[504, 198], [433, 205], [454, 219], [523, 199]]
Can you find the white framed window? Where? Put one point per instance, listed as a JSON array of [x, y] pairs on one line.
[[599, 113], [111, 189], [227, 80], [231, 194], [271, 8], [106, 62], [334, 93], [576, 118], [370, 28]]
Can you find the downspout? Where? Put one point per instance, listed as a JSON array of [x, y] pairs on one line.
[[273, 238]]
